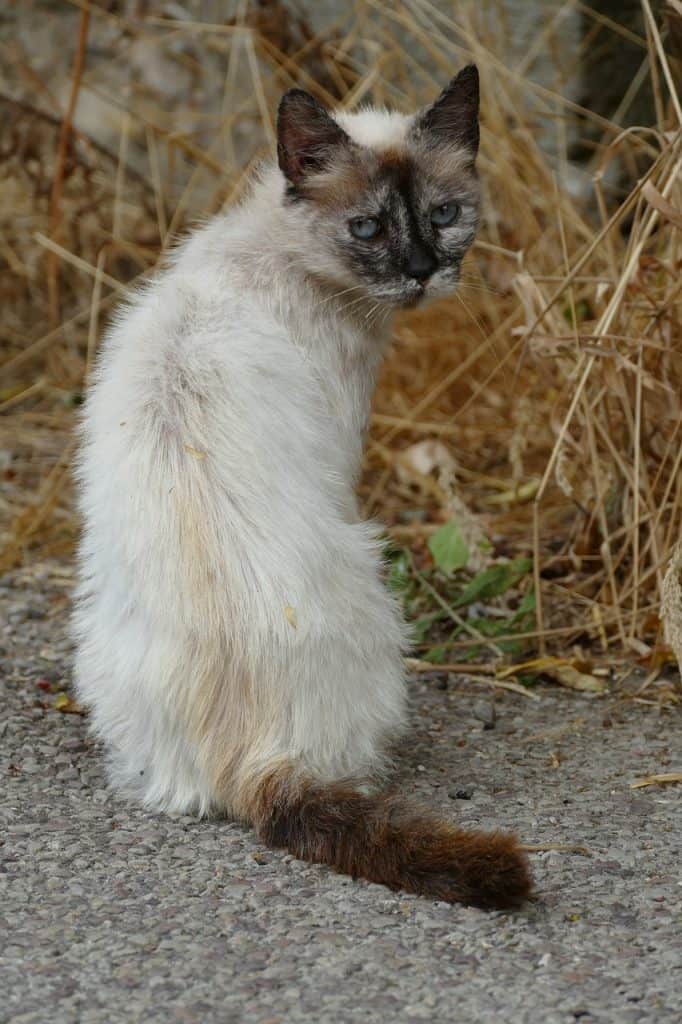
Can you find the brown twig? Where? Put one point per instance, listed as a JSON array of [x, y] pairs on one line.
[[60, 163]]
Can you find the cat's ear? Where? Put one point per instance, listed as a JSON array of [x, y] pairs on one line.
[[307, 136], [453, 117]]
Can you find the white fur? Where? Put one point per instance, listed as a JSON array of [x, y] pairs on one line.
[[230, 613], [376, 129]]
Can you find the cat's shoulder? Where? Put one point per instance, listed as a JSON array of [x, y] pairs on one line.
[[200, 290]]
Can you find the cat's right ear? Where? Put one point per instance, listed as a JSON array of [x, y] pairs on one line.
[[307, 136]]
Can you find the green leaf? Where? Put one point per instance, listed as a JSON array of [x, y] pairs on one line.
[[527, 604], [421, 627], [437, 655], [582, 312], [490, 627], [399, 571], [492, 582], [448, 547]]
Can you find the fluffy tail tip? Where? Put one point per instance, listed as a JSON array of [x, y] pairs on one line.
[[384, 840], [493, 870]]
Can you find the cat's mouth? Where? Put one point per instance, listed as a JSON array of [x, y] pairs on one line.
[[408, 293], [402, 296]]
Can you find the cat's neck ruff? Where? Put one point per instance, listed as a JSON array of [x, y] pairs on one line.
[[265, 243]]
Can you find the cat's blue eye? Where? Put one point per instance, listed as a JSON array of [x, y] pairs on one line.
[[364, 227], [444, 215]]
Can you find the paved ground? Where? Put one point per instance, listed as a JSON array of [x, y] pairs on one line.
[[109, 915]]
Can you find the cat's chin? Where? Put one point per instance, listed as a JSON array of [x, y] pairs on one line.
[[412, 301], [424, 297]]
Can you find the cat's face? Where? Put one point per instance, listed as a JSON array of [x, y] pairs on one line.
[[388, 203]]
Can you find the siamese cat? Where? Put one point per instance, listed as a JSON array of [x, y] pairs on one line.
[[235, 640]]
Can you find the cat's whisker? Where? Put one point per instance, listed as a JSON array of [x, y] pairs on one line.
[[337, 295], [355, 302], [475, 286], [371, 316]]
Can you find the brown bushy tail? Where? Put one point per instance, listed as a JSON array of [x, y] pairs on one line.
[[381, 839]]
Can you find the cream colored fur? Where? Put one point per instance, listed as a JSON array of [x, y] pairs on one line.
[[230, 613]]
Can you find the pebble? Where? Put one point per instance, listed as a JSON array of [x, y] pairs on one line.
[[484, 711]]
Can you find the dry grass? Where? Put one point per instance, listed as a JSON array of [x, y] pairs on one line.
[[549, 387]]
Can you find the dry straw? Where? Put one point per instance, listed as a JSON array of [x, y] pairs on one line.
[[551, 382]]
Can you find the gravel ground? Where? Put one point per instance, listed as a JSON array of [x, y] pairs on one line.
[[110, 914]]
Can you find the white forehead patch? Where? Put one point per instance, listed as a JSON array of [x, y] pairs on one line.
[[376, 129]]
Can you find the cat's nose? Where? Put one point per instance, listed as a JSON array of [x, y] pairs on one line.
[[420, 264]]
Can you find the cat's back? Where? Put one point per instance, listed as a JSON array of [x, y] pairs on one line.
[[194, 322], [196, 366], [202, 398]]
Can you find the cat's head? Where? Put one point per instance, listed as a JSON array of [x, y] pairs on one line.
[[387, 203]]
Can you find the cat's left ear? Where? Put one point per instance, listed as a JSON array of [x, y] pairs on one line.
[[307, 136], [453, 117]]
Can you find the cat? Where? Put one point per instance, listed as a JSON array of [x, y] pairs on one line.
[[238, 648]]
